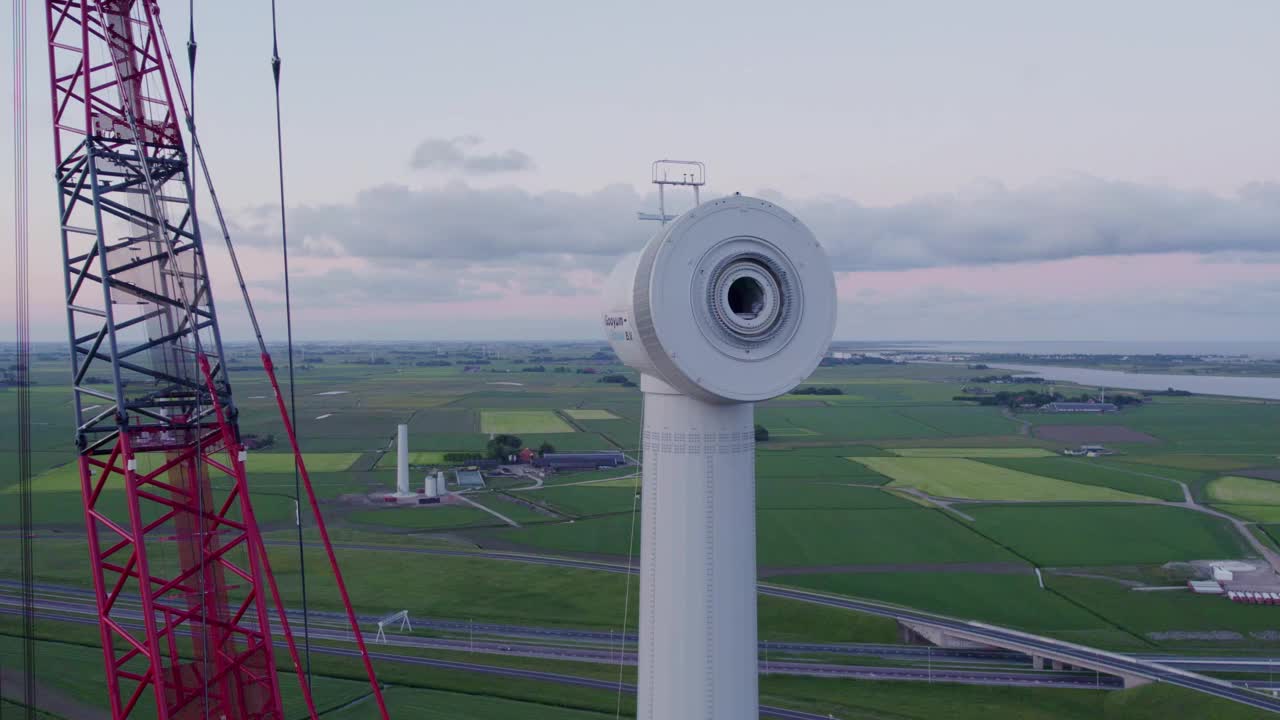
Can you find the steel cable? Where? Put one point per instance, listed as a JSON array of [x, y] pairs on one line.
[[288, 320], [23, 352]]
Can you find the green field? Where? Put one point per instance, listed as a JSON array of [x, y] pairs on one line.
[[430, 457], [1255, 513], [832, 515], [586, 414], [963, 478], [441, 705], [1163, 611], [1199, 425], [822, 495], [1007, 599], [899, 533], [66, 478], [580, 500], [828, 463], [1093, 471], [429, 517], [283, 462], [1210, 463], [1236, 490], [960, 452], [1065, 535], [515, 422]]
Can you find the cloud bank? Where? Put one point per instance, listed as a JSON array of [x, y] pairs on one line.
[[1064, 217]]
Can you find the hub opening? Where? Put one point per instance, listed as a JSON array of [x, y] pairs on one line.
[[746, 298]]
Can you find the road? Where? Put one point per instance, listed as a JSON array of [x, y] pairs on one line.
[[943, 669], [766, 711], [995, 636]]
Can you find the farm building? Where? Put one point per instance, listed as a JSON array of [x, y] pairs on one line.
[[582, 461], [1205, 587], [469, 477], [1089, 407]]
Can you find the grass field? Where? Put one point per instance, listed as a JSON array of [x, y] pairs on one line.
[[960, 452], [503, 503], [1236, 490], [831, 515], [515, 422], [580, 500], [587, 414], [1209, 463], [259, 462], [1067, 535], [432, 517], [1162, 612], [964, 478], [1093, 471], [1255, 513], [430, 457], [440, 705], [866, 700], [828, 463], [1199, 425], [823, 495], [902, 533], [1007, 599], [66, 478], [789, 538]]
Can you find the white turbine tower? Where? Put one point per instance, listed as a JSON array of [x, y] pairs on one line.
[[731, 304]]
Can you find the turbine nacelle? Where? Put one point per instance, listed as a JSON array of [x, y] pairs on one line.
[[732, 302]]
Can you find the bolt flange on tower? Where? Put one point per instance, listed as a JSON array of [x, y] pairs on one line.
[[731, 304]]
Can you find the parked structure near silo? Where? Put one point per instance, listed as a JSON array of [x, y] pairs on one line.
[[469, 477], [582, 461]]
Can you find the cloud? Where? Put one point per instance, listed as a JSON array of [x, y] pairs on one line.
[[1064, 217], [348, 286], [455, 154], [986, 223], [394, 223]]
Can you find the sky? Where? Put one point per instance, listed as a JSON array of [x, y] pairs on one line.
[[980, 170]]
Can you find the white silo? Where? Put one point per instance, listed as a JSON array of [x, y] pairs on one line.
[[429, 486], [442, 488]]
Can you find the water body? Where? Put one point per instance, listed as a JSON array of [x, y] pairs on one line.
[[1252, 348], [1251, 387]]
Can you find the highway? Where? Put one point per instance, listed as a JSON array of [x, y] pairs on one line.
[[78, 608], [995, 636], [766, 711]]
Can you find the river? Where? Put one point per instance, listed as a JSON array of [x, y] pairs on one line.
[[1251, 387]]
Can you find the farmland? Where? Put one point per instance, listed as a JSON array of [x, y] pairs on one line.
[[971, 480], [1233, 489], [522, 421], [962, 452], [837, 512]]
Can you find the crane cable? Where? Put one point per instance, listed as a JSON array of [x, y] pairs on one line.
[[23, 351], [288, 320], [193, 179]]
